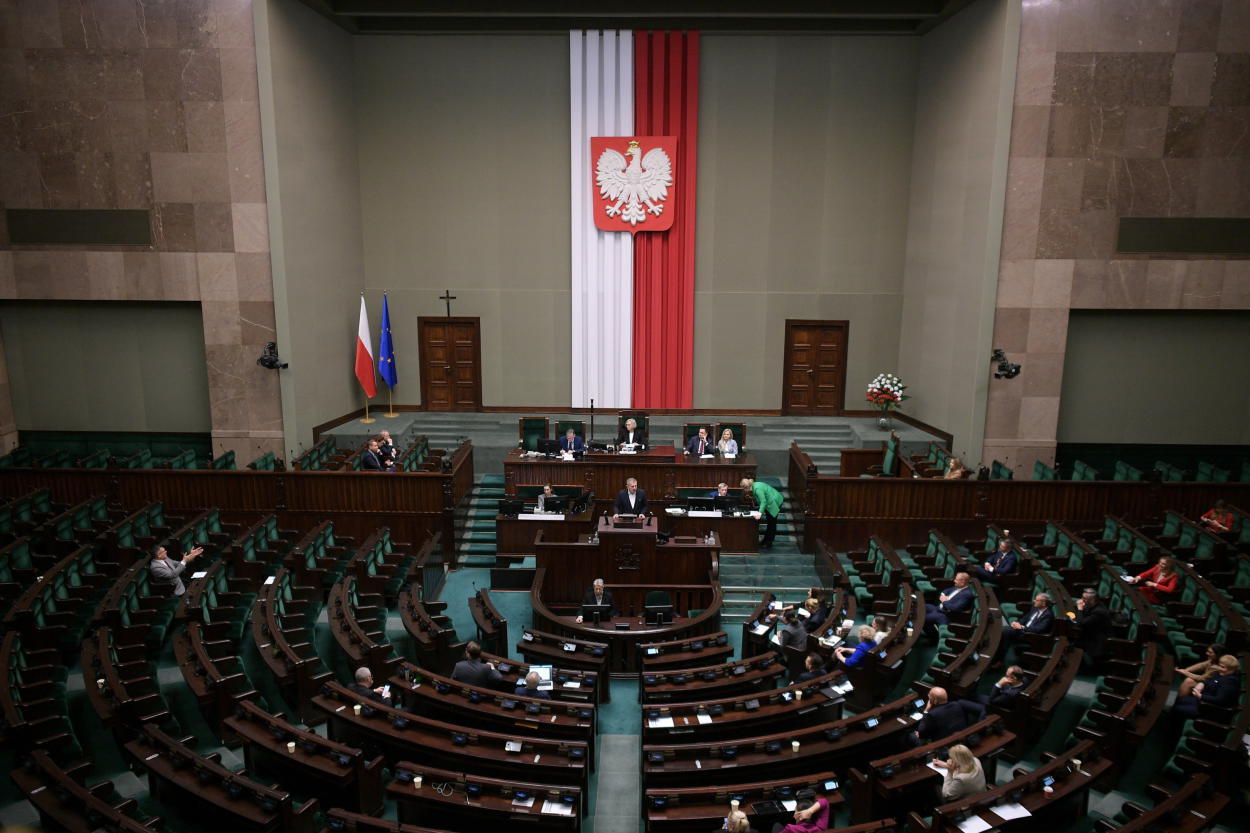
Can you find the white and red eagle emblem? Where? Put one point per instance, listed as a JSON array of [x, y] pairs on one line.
[[633, 177]]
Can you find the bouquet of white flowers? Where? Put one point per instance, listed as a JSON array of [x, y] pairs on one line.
[[886, 392]]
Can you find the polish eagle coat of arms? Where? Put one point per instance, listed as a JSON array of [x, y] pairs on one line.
[[632, 178]]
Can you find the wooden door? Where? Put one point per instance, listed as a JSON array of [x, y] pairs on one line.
[[451, 363], [814, 377]]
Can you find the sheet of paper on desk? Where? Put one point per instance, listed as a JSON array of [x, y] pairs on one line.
[[790, 805], [529, 802], [830, 643], [974, 824], [730, 456], [933, 766], [704, 513], [660, 723], [757, 515], [1014, 810], [676, 510], [775, 639], [573, 684], [707, 456], [704, 718], [760, 630], [802, 611], [539, 516], [557, 808], [200, 574]]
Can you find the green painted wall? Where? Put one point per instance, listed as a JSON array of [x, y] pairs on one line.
[[1167, 377], [116, 366]]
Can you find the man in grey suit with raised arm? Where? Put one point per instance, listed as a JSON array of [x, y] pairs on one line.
[[167, 573]]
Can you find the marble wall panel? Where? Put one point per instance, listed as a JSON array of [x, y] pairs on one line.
[[153, 105], [1121, 108]]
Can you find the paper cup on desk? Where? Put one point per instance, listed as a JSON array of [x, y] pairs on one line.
[[798, 694], [794, 746], [356, 709], [290, 746], [1049, 792], [416, 782], [733, 805]]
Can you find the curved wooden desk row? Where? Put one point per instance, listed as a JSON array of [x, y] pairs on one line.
[[403, 736], [433, 637], [685, 653], [621, 646], [465, 801], [32, 699], [715, 681], [341, 774], [212, 670], [281, 630], [176, 772], [832, 745], [120, 684], [744, 715], [572, 685], [472, 707], [904, 782], [1066, 804], [52, 612], [697, 808], [65, 802]]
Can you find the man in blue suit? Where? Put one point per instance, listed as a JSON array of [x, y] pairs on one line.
[[954, 599], [571, 442], [1003, 561], [699, 444], [1040, 618]]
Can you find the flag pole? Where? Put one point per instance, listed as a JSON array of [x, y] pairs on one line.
[[367, 418], [390, 406]]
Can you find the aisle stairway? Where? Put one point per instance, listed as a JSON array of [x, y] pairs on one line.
[[822, 441], [782, 570], [476, 545]]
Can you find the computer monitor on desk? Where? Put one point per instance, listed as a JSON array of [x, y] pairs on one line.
[[555, 503], [511, 507], [725, 503], [596, 614], [658, 614], [548, 447], [701, 504]]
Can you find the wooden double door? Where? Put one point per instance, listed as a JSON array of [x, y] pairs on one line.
[[814, 377], [451, 363]]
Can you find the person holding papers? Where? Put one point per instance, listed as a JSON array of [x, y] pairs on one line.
[[699, 444], [727, 444], [769, 501], [816, 615], [962, 774], [629, 435], [364, 687], [631, 500], [571, 442]]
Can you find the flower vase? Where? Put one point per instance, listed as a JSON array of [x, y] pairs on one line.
[[885, 423]]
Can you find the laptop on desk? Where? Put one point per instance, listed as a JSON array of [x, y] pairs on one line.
[[544, 676]]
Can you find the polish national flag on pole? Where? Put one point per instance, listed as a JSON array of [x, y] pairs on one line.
[[364, 354]]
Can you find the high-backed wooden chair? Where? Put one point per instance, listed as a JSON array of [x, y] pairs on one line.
[[578, 426], [640, 417], [530, 430], [691, 429]]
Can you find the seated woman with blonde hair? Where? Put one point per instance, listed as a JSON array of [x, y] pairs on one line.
[[736, 822], [955, 469], [852, 657], [1200, 672], [962, 774]]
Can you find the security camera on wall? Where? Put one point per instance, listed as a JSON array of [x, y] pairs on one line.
[[1006, 369], [269, 358]]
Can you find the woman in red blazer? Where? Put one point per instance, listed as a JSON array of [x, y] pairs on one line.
[[1159, 582]]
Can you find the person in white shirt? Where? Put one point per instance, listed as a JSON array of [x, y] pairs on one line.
[[631, 500]]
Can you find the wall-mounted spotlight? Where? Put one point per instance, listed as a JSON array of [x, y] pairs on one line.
[[1006, 369]]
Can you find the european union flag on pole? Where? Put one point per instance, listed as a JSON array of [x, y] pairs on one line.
[[386, 350]]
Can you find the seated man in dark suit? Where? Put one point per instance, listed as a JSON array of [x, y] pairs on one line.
[[571, 442], [1006, 689], [596, 595], [699, 444], [954, 599], [942, 718], [1039, 618], [631, 500], [371, 458], [1003, 561], [630, 434], [529, 688], [1094, 623], [813, 667], [364, 686], [472, 671]]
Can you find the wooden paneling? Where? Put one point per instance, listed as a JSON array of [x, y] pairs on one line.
[[660, 472]]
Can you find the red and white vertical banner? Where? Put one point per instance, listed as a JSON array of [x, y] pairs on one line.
[[666, 103], [601, 101]]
